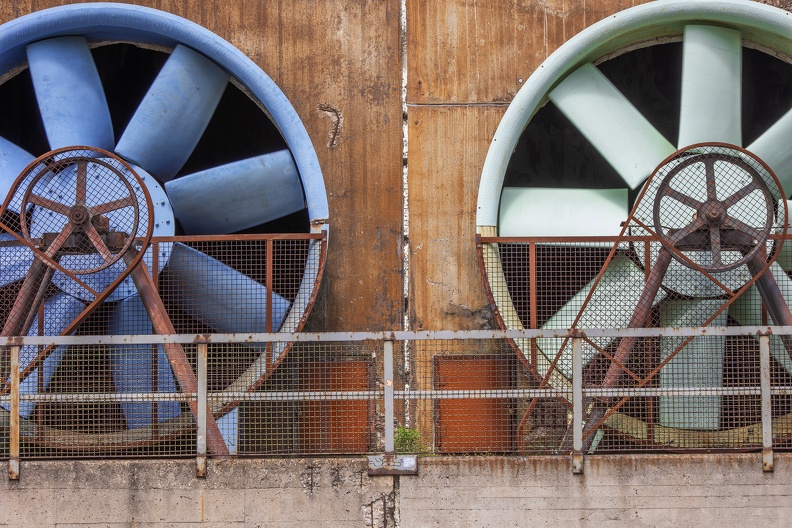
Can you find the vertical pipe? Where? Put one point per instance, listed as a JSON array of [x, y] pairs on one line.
[[767, 408], [203, 352], [577, 405], [13, 441], [388, 367]]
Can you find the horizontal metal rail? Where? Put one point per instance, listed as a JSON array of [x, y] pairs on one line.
[[429, 335]]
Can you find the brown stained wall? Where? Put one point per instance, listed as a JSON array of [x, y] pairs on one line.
[[328, 56], [466, 60]]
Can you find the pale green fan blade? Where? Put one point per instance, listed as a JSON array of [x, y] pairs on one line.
[[698, 365], [562, 212], [711, 86], [624, 137]]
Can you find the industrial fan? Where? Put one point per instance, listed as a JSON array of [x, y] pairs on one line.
[[571, 158], [127, 122]]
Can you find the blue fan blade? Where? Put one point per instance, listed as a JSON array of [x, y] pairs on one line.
[[237, 196], [70, 94], [132, 365], [173, 115]]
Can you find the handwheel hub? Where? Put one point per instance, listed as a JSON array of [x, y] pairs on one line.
[[79, 214], [714, 211]]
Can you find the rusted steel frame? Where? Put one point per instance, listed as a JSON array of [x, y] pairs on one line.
[[600, 414], [272, 367], [620, 364], [681, 256], [28, 299], [161, 323], [772, 298], [100, 298], [40, 255], [639, 317], [239, 236], [759, 269]]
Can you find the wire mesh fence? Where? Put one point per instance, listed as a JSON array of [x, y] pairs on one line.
[[454, 393], [234, 377]]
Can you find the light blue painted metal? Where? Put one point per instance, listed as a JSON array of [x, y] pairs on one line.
[[69, 93], [13, 161], [238, 195], [229, 429], [132, 365], [174, 113], [219, 296], [123, 22], [59, 311], [711, 104], [530, 211], [762, 24], [15, 261]]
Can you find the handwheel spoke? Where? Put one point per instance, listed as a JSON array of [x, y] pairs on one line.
[[82, 175], [738, 195], [59, 241], [128, 201], [46, 203], [739, 225], [711, 187], [683, 198], [692, 227], [715, 246], [98, 243]]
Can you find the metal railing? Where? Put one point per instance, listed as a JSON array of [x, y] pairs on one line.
[[384, 393]]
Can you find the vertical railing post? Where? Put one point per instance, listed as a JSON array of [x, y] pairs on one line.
[[200, 461], [13, 441], [767, 401], [577, 405], [389, 404]]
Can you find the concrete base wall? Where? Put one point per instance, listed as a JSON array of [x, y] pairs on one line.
[[642, 490]]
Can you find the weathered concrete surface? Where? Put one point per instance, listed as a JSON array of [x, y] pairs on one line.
[[236, 493], [639, 490]]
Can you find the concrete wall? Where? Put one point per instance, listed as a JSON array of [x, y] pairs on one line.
[[640, 490]]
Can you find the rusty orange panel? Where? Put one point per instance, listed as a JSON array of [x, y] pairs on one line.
[[483, 425], [335, 426]]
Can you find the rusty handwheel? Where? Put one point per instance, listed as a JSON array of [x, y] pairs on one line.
[[715, 201], [89, 226]]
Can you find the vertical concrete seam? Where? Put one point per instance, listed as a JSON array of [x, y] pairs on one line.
[[405, 208]]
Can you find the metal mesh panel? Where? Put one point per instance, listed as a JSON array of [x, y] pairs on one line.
[[699, 392], [128, 399], [324, 398]]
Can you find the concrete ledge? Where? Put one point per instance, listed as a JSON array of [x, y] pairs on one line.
[[629, 490]]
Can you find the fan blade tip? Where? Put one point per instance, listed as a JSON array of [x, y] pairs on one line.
[[244, 194], [69, 93]]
